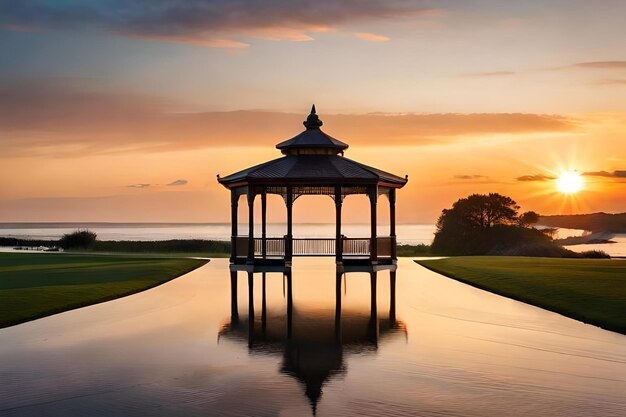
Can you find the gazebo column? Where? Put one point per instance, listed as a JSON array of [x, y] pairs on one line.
[[289, 303], [392, 297], [251, 196], [373, 324], [338, 307], [373, 194], [234, 309], [250, 309], [392, 222], [264, 222], [234, 200], [289, 237], [338, 240]]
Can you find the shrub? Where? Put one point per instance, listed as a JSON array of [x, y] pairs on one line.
[[597, 254], [413, 250], [80, 239]]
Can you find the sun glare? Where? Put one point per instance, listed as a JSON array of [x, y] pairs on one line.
[[569, 182]]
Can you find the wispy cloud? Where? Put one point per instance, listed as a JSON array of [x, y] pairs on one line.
[[612, 82], [606, 174], [36, 124], [213, 23], [371, 37], [602, 174], [599, 65], [536, 177], [177, 183], [489, 74], [209, 42], [588, 65], [469, 177]]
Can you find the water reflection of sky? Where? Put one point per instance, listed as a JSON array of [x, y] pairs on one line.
[[174, 350]]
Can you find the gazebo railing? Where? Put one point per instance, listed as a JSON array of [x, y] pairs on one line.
[[313, 246], [356, 246], [275, 246]]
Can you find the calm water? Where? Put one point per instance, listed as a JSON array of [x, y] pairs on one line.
[[449, 350], [407, 233], [614, 249]]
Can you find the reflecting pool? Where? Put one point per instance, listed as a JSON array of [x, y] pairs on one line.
[[312, 342]]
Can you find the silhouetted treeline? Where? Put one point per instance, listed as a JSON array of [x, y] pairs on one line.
[[413, 250], [595, 222], [13, 241], [173, 245], [159, 246]]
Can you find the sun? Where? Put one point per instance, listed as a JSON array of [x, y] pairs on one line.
[[570, 182]]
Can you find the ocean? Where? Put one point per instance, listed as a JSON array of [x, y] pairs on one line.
[[407, 233]]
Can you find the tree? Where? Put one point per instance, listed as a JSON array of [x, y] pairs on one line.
[[80, 239], [481, 223], [481, 211], [528, 218]]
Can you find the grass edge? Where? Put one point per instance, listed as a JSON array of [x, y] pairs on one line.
[[571, 315], [75, 306]]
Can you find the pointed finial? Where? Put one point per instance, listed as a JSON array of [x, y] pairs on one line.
[[313, 121]]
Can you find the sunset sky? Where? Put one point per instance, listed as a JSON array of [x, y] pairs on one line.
[[116, 110]]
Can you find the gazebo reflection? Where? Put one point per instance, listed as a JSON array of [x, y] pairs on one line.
[[313, 343]]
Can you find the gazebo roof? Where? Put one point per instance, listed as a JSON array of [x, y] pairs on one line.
[[313, 169], [312, 158], [312, 138]]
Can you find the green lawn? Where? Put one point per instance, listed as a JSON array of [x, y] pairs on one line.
[[590, 290], [34, 285]]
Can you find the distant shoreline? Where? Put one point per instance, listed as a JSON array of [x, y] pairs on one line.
[[595, 222], [27, 225], [597, 238]]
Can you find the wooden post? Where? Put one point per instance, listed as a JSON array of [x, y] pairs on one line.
[[373, 324], [373, 194], [264, 222], [392, 297], [234, 200], [289, 304], [250, 309], [263, 306], [289, 238], [392, 222], [338, 308], [338, 240], [234, 310], [251, 196]]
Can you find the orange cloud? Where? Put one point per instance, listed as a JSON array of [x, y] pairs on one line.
[[372, 37], [536, 177], [200, 41], [45, 119]]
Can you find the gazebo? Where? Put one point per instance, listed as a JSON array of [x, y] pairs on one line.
[[313, 164]]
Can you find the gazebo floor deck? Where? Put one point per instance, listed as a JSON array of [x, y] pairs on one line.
[[279, 264]]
